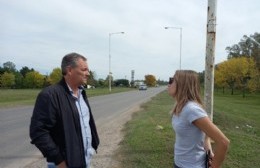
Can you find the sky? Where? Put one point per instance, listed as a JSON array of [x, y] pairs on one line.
[[38, 33]]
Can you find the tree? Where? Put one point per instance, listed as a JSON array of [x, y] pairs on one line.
[[34, 80], [224, 70], [150, 80], [236, 72], [247, 47], [201, 77], [220, 80], [25, 70], [18, 80], [162, 82], [122, 82], [234, 51], [2, 70], [55, 76], [101, 82], [91, 79], [9, 66], [7, 80]]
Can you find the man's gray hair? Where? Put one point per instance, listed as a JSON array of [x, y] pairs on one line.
[[71, 60]]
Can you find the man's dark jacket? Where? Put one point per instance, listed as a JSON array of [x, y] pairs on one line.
[[55, 126]]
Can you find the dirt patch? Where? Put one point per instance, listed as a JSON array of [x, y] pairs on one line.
[[111, 135]]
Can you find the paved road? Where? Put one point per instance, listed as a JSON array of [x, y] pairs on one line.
[[15, 147]]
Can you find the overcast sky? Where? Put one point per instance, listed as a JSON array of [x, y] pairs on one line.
[[38, 33]]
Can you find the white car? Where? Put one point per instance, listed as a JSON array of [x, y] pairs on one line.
[[143, 87]]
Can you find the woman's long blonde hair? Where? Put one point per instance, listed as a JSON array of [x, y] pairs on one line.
[[187, 89]]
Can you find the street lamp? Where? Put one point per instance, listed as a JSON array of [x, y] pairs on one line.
[[110, 73], [180, 28], [252, 39]]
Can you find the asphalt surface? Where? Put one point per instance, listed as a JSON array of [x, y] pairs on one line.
[[15, 148]]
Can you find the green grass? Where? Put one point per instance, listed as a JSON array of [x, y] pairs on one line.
[[21, 97], [104, 91], [239, 118], [17, 97], [146, 147]]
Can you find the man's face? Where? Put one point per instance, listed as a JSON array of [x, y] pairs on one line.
[[79, 74]]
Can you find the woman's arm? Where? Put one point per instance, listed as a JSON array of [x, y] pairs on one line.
[[221, 141]]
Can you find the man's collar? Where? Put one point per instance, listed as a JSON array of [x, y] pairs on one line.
[[80, 88]]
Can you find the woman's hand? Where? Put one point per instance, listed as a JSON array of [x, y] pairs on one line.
[[221, 142], [208, 147]]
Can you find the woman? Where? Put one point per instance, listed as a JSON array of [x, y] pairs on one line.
[[192, 125]]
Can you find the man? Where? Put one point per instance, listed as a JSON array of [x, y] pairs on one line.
[[62, 125]]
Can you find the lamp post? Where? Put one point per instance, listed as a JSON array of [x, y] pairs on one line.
[[252, 39], [110, 73], [180, 28]]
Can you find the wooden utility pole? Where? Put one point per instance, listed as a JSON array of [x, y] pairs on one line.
[[210, 57]]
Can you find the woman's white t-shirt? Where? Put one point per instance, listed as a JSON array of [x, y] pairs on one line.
[[189, 144]]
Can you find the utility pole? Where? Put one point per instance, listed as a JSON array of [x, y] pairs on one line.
[[210, 57], [110, 73], [180, 28]]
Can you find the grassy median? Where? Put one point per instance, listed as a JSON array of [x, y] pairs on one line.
[[149, 137]]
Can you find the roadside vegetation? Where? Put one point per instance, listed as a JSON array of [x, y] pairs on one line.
[[149, 137], [20, 97]]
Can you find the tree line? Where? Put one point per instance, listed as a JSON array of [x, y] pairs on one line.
[[27, 77]]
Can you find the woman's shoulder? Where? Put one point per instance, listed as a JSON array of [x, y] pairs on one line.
[[193, 104]]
